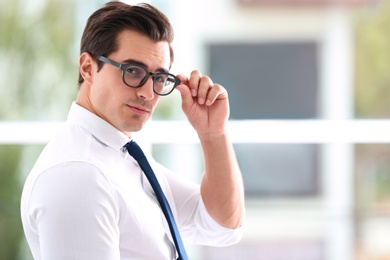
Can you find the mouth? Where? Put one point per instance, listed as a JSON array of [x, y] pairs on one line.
[[139, 110]]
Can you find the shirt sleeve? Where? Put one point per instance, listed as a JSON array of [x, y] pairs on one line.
[[72, 208], [195, 223]]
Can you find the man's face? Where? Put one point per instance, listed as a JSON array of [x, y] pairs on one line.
[[107, 96]]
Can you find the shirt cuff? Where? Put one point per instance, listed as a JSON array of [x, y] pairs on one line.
[[213, 233]]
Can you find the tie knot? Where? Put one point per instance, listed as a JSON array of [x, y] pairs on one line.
[[134, 150]]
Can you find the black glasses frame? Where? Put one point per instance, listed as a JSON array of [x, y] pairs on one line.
[[124, 67]]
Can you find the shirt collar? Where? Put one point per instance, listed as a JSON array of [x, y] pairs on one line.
[[96, 126]]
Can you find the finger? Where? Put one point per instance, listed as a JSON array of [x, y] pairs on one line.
[[183, 79], [184, 90], [216, 92], [183, 87], [205, 85], [194, 82]]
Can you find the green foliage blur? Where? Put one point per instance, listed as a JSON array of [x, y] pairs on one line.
[[38, 73], [372, 64], [38, 63], [10, 227], [372, 101]]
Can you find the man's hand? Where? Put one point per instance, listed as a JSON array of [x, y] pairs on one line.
[[205, 104]]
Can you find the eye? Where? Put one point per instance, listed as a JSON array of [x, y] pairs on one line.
[[135, 71], [161, 78], [170, 80]]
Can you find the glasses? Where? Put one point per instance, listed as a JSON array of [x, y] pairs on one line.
[[135, 75]]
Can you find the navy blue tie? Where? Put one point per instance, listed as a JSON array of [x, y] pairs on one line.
[[135, 151]]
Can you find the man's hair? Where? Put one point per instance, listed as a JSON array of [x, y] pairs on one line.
[[104, 25]]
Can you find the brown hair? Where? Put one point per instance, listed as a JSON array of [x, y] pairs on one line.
[[104, 25]]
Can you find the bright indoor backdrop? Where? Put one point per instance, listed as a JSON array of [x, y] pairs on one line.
[[309, 85]]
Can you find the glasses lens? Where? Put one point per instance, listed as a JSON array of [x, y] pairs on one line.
[[134, 75], [164, 83]]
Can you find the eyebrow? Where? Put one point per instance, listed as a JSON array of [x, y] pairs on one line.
[[133, 61]]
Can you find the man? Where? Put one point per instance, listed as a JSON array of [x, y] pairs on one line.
[[86, 197]]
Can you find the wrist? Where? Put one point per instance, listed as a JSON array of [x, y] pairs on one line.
[[212, 136]]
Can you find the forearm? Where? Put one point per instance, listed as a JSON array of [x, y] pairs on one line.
[[222, 186]]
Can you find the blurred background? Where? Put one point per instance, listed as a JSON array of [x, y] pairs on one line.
[[293, 69]]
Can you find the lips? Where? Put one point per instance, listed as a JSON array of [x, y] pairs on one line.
[[139, 109]]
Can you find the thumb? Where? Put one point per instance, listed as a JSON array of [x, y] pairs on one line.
[[184, 90]]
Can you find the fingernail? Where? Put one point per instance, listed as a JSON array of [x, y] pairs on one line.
[[193, 92], [208, 103], [200, 101]]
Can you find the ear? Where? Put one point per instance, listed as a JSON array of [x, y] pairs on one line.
[[87, 64]]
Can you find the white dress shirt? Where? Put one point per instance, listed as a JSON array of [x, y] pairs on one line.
[[86, 198]]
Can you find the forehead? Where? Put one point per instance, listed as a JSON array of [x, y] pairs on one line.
[[133, 45]]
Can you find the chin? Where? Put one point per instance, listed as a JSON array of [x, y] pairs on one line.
[[132, 128]]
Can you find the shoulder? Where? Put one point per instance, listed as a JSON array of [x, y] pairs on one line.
[[68, 186], [71, 177]]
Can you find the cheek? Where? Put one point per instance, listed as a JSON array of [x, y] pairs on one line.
[[155, 103], [103, 100], [100, 94], [107, 89]]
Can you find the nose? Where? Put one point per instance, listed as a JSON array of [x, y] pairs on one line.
[[146, 90]]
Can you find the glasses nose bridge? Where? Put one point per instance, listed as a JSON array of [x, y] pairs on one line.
[[151, 74], [146, 77]]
